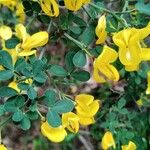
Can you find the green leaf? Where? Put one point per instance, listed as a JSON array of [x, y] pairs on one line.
[[75, 29], [37, 66], [10, 106], [20, 64], [7, 92], [57, 70], [41, 77], [63, 106], [88, 35], [2, 110], [25, 123], [143, 8], [23, 86], [69, 61], [6, 75], [50, 97], [6, 60], [32, 94], [17, 116], [11, 43], [81, 75], [53, 118], [79, 59], [19, 101], [121, 103], [32, 115]]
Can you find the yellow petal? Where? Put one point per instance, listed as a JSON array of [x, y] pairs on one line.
[[84, 99], [86, 120], [108, 141], [108, 55], [130, 146], [36, 40], [2, 147], [27, 53], [5, 32], [21, 32], [148, 83], [144, 32], [53, 134], [139, 102], [145, 54], [101, 30], [71, 122], [14, 86], [86, 1], [73, 5], [50, 7], [20, 12]]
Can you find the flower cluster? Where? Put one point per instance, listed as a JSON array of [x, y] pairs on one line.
[[86, 108]]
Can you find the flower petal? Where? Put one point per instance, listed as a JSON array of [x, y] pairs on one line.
[[108, 141], [71, 121], [53, 134], [130, 146], [36, 40], [50, 7], [5, 32]]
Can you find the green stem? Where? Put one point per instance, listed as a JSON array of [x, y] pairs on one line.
[[81, 45], [121, 20], [31, 21], [4, 122], [44, 48], [87, 12]]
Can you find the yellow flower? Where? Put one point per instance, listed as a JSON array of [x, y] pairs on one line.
[[2, 147], [15, 5], [108, 141], [50, 7], [5, 32], [148, 83], [14, 85], [139, 102], [25, 48], [101, 30], [73, 5], [130, 146], [86, 108], [86, 1], [53, 134], [103, 70], [71, 121], [130, 51], [20, 12]]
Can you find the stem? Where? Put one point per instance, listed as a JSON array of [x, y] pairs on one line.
[[4, 122], [81, 45], [44, 49], [42, 117], [121, 20], [31, 21], [87, 12]]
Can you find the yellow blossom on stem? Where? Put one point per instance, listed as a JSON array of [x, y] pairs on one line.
[[86, 108], [27, 42], [73, 5], [50, 7], [71, 121], [2, 147], [130, 146], [103, 70], [101, 30], [53, 134], [131, 52], [108, 141], [148, 83], [5, 32]]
